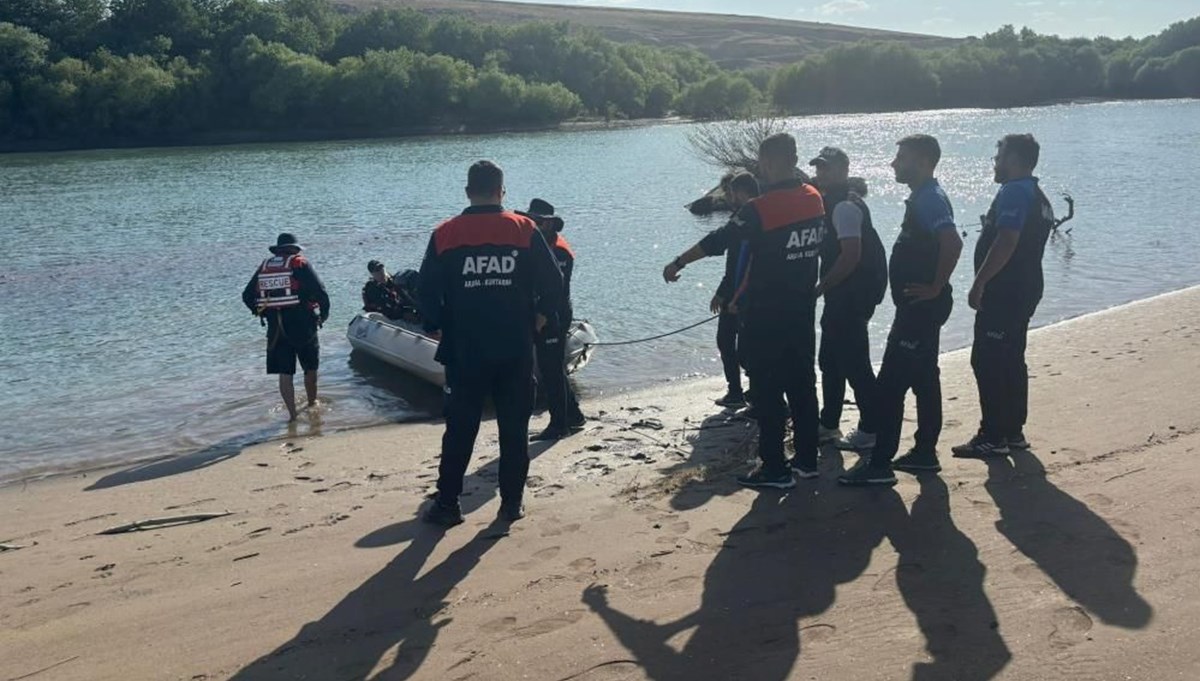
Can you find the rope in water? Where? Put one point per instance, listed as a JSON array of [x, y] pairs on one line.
[[654, 338]]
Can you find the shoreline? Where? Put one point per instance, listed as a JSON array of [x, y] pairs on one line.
[[241, 138], [107, 465], [641, 559]]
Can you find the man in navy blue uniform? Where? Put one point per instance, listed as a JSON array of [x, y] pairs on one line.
[[488, 284], [1008, 287], [923, 258]]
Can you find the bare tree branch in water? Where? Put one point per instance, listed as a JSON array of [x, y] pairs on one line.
[[733, 145]]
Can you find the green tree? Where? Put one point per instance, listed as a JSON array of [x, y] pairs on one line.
[[383, 29]]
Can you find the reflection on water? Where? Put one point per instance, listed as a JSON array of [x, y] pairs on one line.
[[125, 338]]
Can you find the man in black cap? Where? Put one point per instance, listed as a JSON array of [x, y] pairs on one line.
[[488, 284], [286, 292], [380, 293], [853, 281], [551, 343]]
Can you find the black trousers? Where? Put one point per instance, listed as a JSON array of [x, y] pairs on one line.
[[780, 360], [845, 355], [727, 345], [510, 385], [910, 362], [560, 397], [998, 358]]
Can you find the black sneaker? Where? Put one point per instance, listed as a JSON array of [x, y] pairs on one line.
[[1017, 441], [864, 474], [918, 461], [577, 424], [550, 434], [804, 471], [981, 447], [511, 513], [443, 515], [732, 400], [763, 479]]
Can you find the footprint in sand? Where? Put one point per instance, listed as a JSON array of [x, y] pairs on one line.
[[1071, 626], [498, 626], [584, 564], [817, 633], [550, 624], [643, 571], [559, 531], [539, 557]]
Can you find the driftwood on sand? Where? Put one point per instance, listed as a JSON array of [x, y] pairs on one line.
[[168, 521]]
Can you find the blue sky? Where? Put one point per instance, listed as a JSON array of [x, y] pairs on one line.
[[957, 18]]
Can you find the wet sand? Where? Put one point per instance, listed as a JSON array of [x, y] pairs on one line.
[[640, 558]]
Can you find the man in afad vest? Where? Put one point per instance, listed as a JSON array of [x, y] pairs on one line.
[[488, 284], [286, 292], [783, 227], [1008, 287], [853, 281], [565, 415], [923, 259]]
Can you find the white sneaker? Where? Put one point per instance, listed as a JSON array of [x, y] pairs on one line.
[[827, 435], [856, 441]]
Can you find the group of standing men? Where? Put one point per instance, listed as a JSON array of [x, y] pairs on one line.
[[798, 241], [494, 285]]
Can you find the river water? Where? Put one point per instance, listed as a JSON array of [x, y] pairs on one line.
[[124, 336]]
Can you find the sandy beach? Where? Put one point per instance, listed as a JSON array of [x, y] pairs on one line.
[[640, 558]]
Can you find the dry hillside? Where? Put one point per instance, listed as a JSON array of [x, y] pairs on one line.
[[732, 41]]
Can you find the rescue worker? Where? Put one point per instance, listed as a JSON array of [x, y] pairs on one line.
[[853, 282], [923, 259], [784, 227], [1008, 287], [380, 293], [288, 296], [741, 188], [487, 285], [565, 415]]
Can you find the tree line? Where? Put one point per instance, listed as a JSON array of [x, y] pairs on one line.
[[1004, 68], [92, 72]]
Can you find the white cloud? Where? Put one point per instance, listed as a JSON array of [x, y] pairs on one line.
[[837, 8]]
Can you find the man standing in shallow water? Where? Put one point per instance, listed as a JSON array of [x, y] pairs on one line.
[[287, 293]]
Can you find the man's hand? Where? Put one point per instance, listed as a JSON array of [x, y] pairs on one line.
[[671, 272], [716, 305], [975, 297], [540, 323], [920, 293]]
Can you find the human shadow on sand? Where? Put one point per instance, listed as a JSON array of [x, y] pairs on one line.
[[941, 580], [1089, 561], [393, 609], [781, 563]]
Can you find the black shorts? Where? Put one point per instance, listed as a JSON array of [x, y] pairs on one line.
[[282, 356]]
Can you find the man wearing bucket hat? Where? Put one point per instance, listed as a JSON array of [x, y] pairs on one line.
[[290, 299], [551, 342]]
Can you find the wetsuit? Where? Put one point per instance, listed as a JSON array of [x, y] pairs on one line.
[[783, 229], [910, 360], [845, 353], [1009, 301], [292, 323], [486, 275], [552, 348]]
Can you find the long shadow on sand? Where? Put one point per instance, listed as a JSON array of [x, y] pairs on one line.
[[781, 562], [1092, 564], [392, 608], [942, 582]]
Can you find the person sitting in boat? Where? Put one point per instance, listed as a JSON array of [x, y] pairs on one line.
[[380, 293]]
